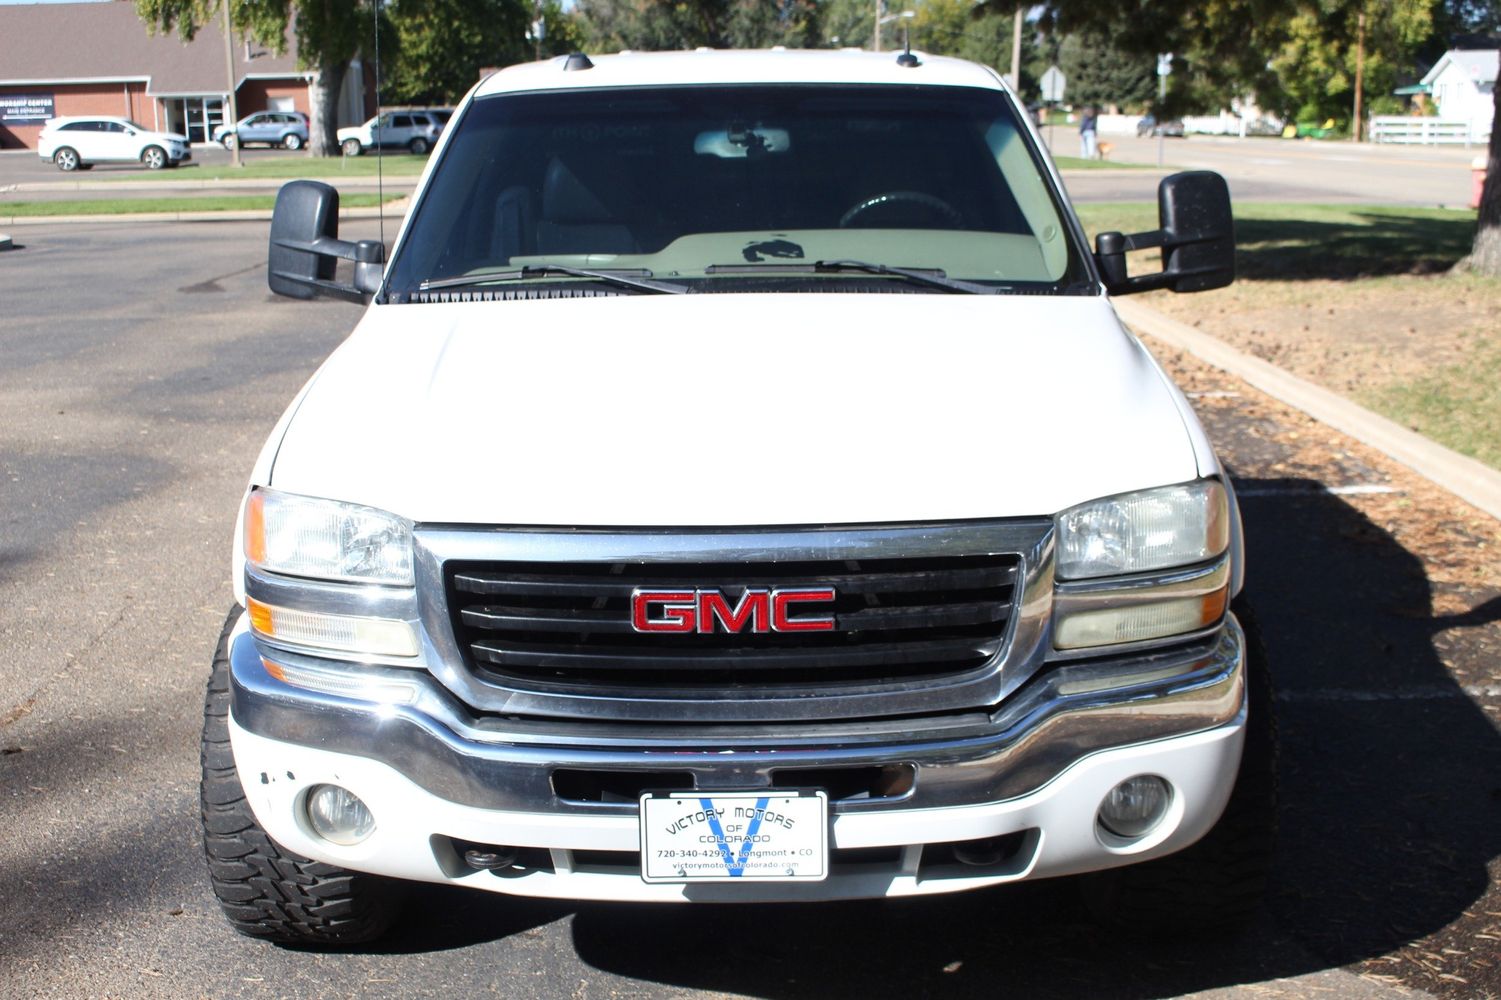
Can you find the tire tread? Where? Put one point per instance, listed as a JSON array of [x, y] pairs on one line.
[[265, 890]]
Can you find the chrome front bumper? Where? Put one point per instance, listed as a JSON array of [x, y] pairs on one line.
[[1037, 767]]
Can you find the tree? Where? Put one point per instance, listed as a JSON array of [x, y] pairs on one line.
[[1315, 66], [950, 28], [329, 33], [663, 25], [1485, 255], [444, 44], [1228, 42], [1100, 71]]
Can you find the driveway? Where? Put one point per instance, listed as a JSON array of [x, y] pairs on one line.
[[140, 378]]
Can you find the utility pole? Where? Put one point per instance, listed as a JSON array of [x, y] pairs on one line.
[[1359, 128], [1016, 50], [233, 117], [877, 44]]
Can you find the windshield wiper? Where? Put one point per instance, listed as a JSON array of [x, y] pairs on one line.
[[932, 277], [637, 278]]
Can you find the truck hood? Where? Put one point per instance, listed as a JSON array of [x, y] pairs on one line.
[[703, 410]]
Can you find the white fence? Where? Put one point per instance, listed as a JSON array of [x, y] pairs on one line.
[[1426, 131]]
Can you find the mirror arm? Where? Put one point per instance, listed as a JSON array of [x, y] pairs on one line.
[[369, 257], [332, 289], [1110, 253], [1111, 250]]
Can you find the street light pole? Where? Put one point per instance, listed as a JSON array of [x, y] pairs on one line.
[[233, 119], [877, 44]]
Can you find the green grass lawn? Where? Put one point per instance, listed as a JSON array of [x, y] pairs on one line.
[[1457, 405], [395, 165], [1356, 298], [1078, 163], [123, 206], [1279, 241]]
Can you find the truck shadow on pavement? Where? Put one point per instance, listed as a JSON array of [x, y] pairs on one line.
[[1390, 801]]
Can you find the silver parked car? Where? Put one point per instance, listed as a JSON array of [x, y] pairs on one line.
[[413, 129], [287, 129]]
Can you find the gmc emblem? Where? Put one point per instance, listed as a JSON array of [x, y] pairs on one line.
[[758, 611]]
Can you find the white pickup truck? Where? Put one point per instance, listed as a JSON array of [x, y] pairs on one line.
[[739, 487]]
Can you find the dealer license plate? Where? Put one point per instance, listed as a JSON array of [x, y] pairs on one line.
[[735, 836]]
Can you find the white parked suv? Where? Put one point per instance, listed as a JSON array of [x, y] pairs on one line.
[[739, 487], [414, 129], [77, 143]]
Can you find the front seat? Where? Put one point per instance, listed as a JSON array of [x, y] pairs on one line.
[[575, 221]]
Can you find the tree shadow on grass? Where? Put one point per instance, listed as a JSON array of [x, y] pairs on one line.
[[1376, 244]]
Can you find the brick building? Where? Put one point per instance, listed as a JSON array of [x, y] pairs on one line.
[[99, 59]]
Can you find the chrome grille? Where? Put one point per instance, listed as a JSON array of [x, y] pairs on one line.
[[567, 626]]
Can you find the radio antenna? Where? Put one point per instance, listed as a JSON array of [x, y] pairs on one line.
[[380, 177]]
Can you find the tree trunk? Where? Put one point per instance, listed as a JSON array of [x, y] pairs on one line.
[[323, 96], [1485, 258]]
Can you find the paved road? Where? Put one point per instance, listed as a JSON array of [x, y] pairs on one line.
[[1257, 169], [26, 177], [1284, 170], [138, 383]]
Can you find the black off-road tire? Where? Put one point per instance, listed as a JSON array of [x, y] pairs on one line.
[[1218, 883], [265, 890]]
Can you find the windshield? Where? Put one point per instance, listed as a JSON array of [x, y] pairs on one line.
[[732, 186]]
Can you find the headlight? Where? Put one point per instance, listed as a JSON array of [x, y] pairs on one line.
[[1141, 532], [326, 540]]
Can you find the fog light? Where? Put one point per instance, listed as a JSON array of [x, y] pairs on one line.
[[1135, 806], [338, 816]]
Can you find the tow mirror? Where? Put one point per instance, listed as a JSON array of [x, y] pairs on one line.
[[1197, 237], [305, 247]]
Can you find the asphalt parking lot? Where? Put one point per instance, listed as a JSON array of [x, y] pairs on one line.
[[142, 368]]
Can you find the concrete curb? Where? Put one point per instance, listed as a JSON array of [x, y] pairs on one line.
[[1463, 476], [396, 211]]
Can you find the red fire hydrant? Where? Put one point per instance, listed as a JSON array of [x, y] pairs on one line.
[[1477, 172]]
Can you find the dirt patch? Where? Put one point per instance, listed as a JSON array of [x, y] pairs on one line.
[[1351, 337], [1440, 586], [1421, 350]]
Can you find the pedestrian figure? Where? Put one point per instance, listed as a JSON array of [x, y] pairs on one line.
[[1088, 133]]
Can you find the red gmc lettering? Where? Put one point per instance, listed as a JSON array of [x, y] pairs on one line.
[[781, 601], [676, 606], [705, 611], [754, 607]]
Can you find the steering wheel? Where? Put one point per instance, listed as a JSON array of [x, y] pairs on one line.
[[936, 205]]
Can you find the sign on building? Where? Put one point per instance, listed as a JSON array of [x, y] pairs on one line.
[[26, 109]]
